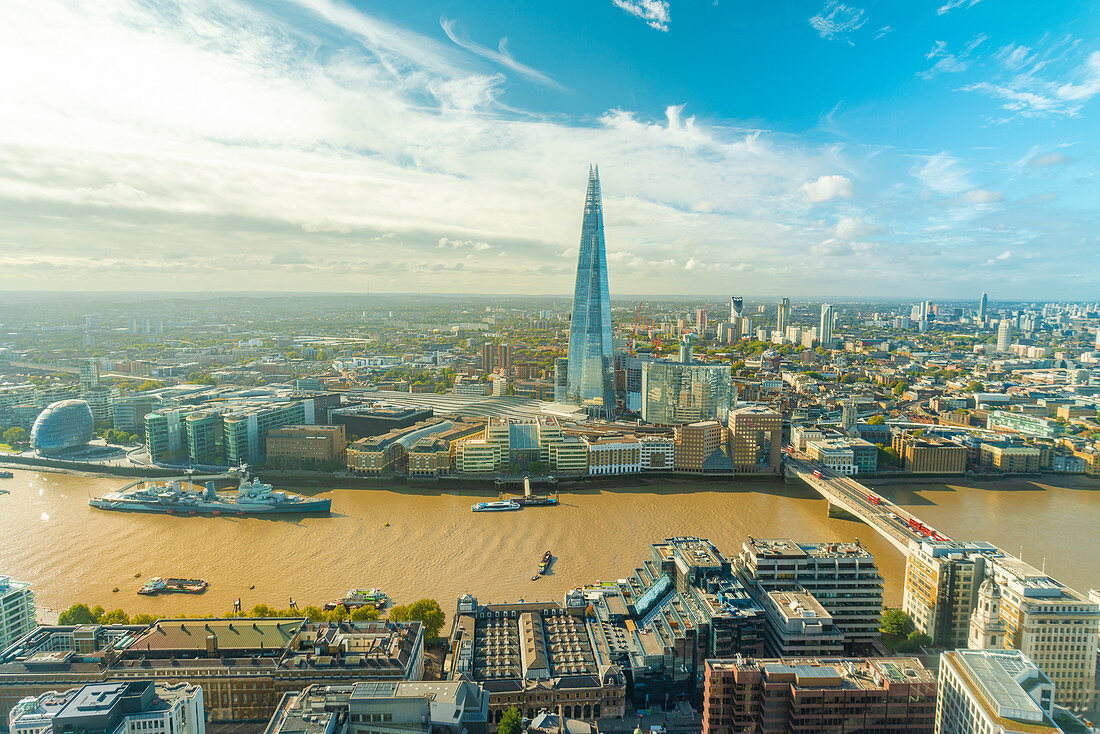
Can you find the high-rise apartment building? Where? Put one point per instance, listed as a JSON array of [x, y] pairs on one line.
[[591, 377], [89, 374], [825, 326], [783, 315], [818, 696], [1001, 692], [16, 610], [674, 393], [755, 438], [842, 577], [1004, 335], [737, 306], [983, 307]]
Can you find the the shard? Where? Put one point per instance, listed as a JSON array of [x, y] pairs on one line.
[[591, 380]]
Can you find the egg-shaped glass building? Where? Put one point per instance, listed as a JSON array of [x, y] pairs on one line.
[[63, 425]]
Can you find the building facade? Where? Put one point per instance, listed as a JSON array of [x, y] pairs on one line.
[[674, 393], [17, 610], [755, 438]]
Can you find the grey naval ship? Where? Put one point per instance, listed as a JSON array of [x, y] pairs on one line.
[[173, 497]]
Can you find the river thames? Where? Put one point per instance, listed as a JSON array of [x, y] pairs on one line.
[[434, 546]]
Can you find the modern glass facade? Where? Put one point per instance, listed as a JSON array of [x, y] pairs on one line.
[[674, 393], [63, 425], [591, 376]]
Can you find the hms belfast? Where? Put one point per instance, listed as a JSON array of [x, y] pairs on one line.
[[173, 497]]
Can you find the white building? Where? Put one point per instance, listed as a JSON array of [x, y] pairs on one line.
[[835, 454], [608, 455], [997, 692], [468, 387], [131, 707], [802, 435], [657, 453], [16, 610]]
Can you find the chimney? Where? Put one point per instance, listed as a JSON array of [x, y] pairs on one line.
[[211, 645]]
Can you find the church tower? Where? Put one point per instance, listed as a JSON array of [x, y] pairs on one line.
[[987, 631]]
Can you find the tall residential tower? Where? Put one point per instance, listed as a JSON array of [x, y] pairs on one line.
[[591, 377]]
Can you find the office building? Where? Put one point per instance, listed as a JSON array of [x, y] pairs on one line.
[[17, 610], [998, 692], [610, 455], [842, 577], [205, 434], [695, 444], [797, 625], [675, 393], [361, 421], [533, 655], [819, 696], [244, 665], [166, 435], [942, 579], [62, 427], [307, 445], [755, 438], [983, 307], [1010, 457], [1004, 335], [825, 326], [383, 707], [783, 315], [591, 379], [737, 323], [686, 342], [657, 452], [835, 454], [930, 455], [1055, 626], [1027, 425], [128, 412], [129, 707], [246, 429], [89, 374]]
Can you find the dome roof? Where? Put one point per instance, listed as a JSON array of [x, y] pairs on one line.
[[990, 587]]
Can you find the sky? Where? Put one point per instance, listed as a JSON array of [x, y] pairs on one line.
[[867, 148]]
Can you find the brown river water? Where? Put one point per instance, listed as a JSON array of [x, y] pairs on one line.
[[436, 547]]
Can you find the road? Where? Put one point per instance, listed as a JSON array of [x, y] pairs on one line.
[[888, 520]]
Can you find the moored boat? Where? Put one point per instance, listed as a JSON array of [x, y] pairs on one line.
[[544, 564], [158, 585], [504, 506], [356, 598], [173, 496]]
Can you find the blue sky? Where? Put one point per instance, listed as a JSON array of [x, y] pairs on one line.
[[911, 149]]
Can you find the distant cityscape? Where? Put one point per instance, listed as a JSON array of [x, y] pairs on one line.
[[535, 399]]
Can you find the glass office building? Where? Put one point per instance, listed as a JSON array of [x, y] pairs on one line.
[[674, 393], [62, 426], [591, 376]]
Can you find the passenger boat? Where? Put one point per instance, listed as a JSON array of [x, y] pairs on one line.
[[158, 585], [504, 506], [356, 598], [537, 501]]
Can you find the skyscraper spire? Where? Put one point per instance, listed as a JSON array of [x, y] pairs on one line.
[[591, 379]]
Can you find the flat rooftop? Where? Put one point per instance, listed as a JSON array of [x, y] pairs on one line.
[[230, 635]]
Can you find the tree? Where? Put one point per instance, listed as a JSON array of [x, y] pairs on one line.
[[142, 619], [900, 388], [896, 622], [425, 611], [15, 435], [364, 613], [876, 420], [116, 616], [149, 385], [511, 722], [76, 614], [974, 386]]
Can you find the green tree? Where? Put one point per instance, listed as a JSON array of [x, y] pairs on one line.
[[142, 619], [76, 614], [974, 386], [896, 622], [511, 722], [900, 388], [876, 420], [365, 613], [116, 616], [425, 611], [15, 435]]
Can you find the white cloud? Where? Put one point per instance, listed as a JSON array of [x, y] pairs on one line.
[[838, 21], [445, 243], [1007, 254], [1046, 160], [981, 196], [949, 63], [952, 4], [1028, 84], [828, 187], [853, 228], [655, 13], [943, 174], [501, 56]]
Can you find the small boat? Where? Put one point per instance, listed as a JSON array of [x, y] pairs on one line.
[[386, 525], [250, 588], [114, 590], [504, 506], [536, 577], [157, 585], [537, 501], [6, 475]]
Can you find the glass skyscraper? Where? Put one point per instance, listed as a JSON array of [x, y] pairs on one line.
[[591, 377]]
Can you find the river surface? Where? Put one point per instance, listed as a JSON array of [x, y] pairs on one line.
[[436, 547]]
